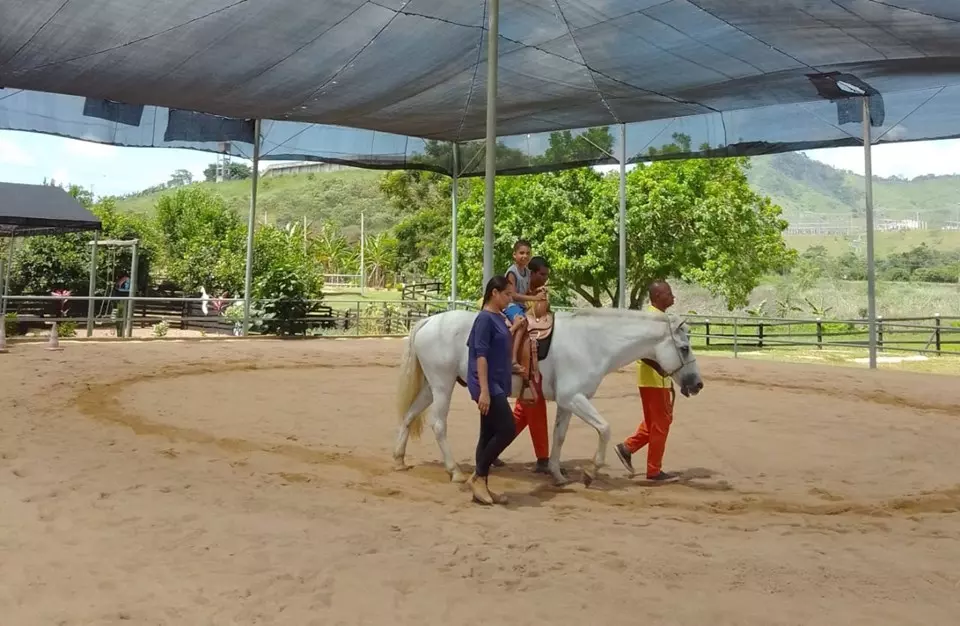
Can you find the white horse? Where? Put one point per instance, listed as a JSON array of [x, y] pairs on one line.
[[586, 345]]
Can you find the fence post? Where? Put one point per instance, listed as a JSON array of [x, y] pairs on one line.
[[819, 334], [760, 335], [707, 332], [358, 318], [735, 328], [936, 323], [879, 332]]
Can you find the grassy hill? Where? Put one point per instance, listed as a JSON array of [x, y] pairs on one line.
[[800, 184], [796, 182], [336, 197]]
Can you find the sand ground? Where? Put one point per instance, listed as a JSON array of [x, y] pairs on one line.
[[250, 483]]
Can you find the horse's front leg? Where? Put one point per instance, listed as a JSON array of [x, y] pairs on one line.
[[584, 409], [559, 435]]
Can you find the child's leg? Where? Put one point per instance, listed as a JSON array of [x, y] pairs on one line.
[[528, 392], [518, 338]]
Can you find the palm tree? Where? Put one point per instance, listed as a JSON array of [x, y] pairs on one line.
[[381, 259]]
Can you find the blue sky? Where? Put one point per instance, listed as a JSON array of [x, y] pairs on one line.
[[31, 157]]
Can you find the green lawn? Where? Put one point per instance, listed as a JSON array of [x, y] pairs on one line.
[[898, 338], [846, 357], [886, 243]]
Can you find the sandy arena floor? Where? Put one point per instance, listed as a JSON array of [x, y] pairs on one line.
[[250, 483]]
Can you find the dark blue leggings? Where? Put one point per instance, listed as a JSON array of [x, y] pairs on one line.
[[497, 431]]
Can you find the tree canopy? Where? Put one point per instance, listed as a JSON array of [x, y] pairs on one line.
[[694, 220]]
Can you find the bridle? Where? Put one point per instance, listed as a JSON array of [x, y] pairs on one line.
[[676, 346]]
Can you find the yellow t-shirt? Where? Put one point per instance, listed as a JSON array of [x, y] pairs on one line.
[[646, 375]]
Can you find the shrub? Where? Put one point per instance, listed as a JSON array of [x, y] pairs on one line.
[[10, 324], [160, 328], [286, 295]]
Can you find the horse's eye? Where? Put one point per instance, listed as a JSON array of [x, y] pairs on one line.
[[685, 350]]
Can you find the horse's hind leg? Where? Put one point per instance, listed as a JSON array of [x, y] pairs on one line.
[[438, 422], [420, 404]]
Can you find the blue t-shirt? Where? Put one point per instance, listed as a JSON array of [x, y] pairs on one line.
[[490, 337]]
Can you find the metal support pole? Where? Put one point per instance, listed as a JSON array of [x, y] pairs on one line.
[[493, 35], [871, 274], [363, 265], [3, 289], [131, 295], [91, 304], [453, 225], [6, 277], [622, 224], [251, 226]]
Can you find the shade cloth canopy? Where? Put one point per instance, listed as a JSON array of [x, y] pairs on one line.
[[27, 210], [380, 83]]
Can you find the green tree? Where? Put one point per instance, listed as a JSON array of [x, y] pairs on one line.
[[203, 241], [45, 263], [380, 258], [696, 220], [180, 178], [331, 251], [593, 144], [235, 171]]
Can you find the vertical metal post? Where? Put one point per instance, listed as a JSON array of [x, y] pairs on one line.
[[363, 264], [453, 225], [251, 226], [622, 223], [493, 35], [3, 290], [91, 303], [6, 277], [871, 274], [131, 295]]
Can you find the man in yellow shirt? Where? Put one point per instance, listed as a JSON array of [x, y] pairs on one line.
[[656, 396]]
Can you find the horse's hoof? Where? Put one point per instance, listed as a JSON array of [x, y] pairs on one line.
[[400, 466], [457, 477], [562, 481], [588, 477]]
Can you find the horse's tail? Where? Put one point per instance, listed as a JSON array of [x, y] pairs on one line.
[[411, 381]]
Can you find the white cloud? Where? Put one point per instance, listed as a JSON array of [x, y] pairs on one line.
[[91, 149], [12, 154], [62, 176], [908, 159]]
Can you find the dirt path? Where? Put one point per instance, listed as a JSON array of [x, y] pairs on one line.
[[250, 483]]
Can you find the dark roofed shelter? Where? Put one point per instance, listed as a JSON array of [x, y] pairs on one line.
[[28, 210], [31, 210]]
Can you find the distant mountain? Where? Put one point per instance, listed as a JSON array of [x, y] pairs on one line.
[[802, 185], [805, 188]]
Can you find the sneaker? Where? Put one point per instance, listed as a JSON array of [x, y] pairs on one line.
[[497, 463], [542, 466], [664, 477], [624, 455]]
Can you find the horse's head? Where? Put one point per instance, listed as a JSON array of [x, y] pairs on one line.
[[676, 359]]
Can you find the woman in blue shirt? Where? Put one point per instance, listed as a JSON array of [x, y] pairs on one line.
[[489, 380]]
